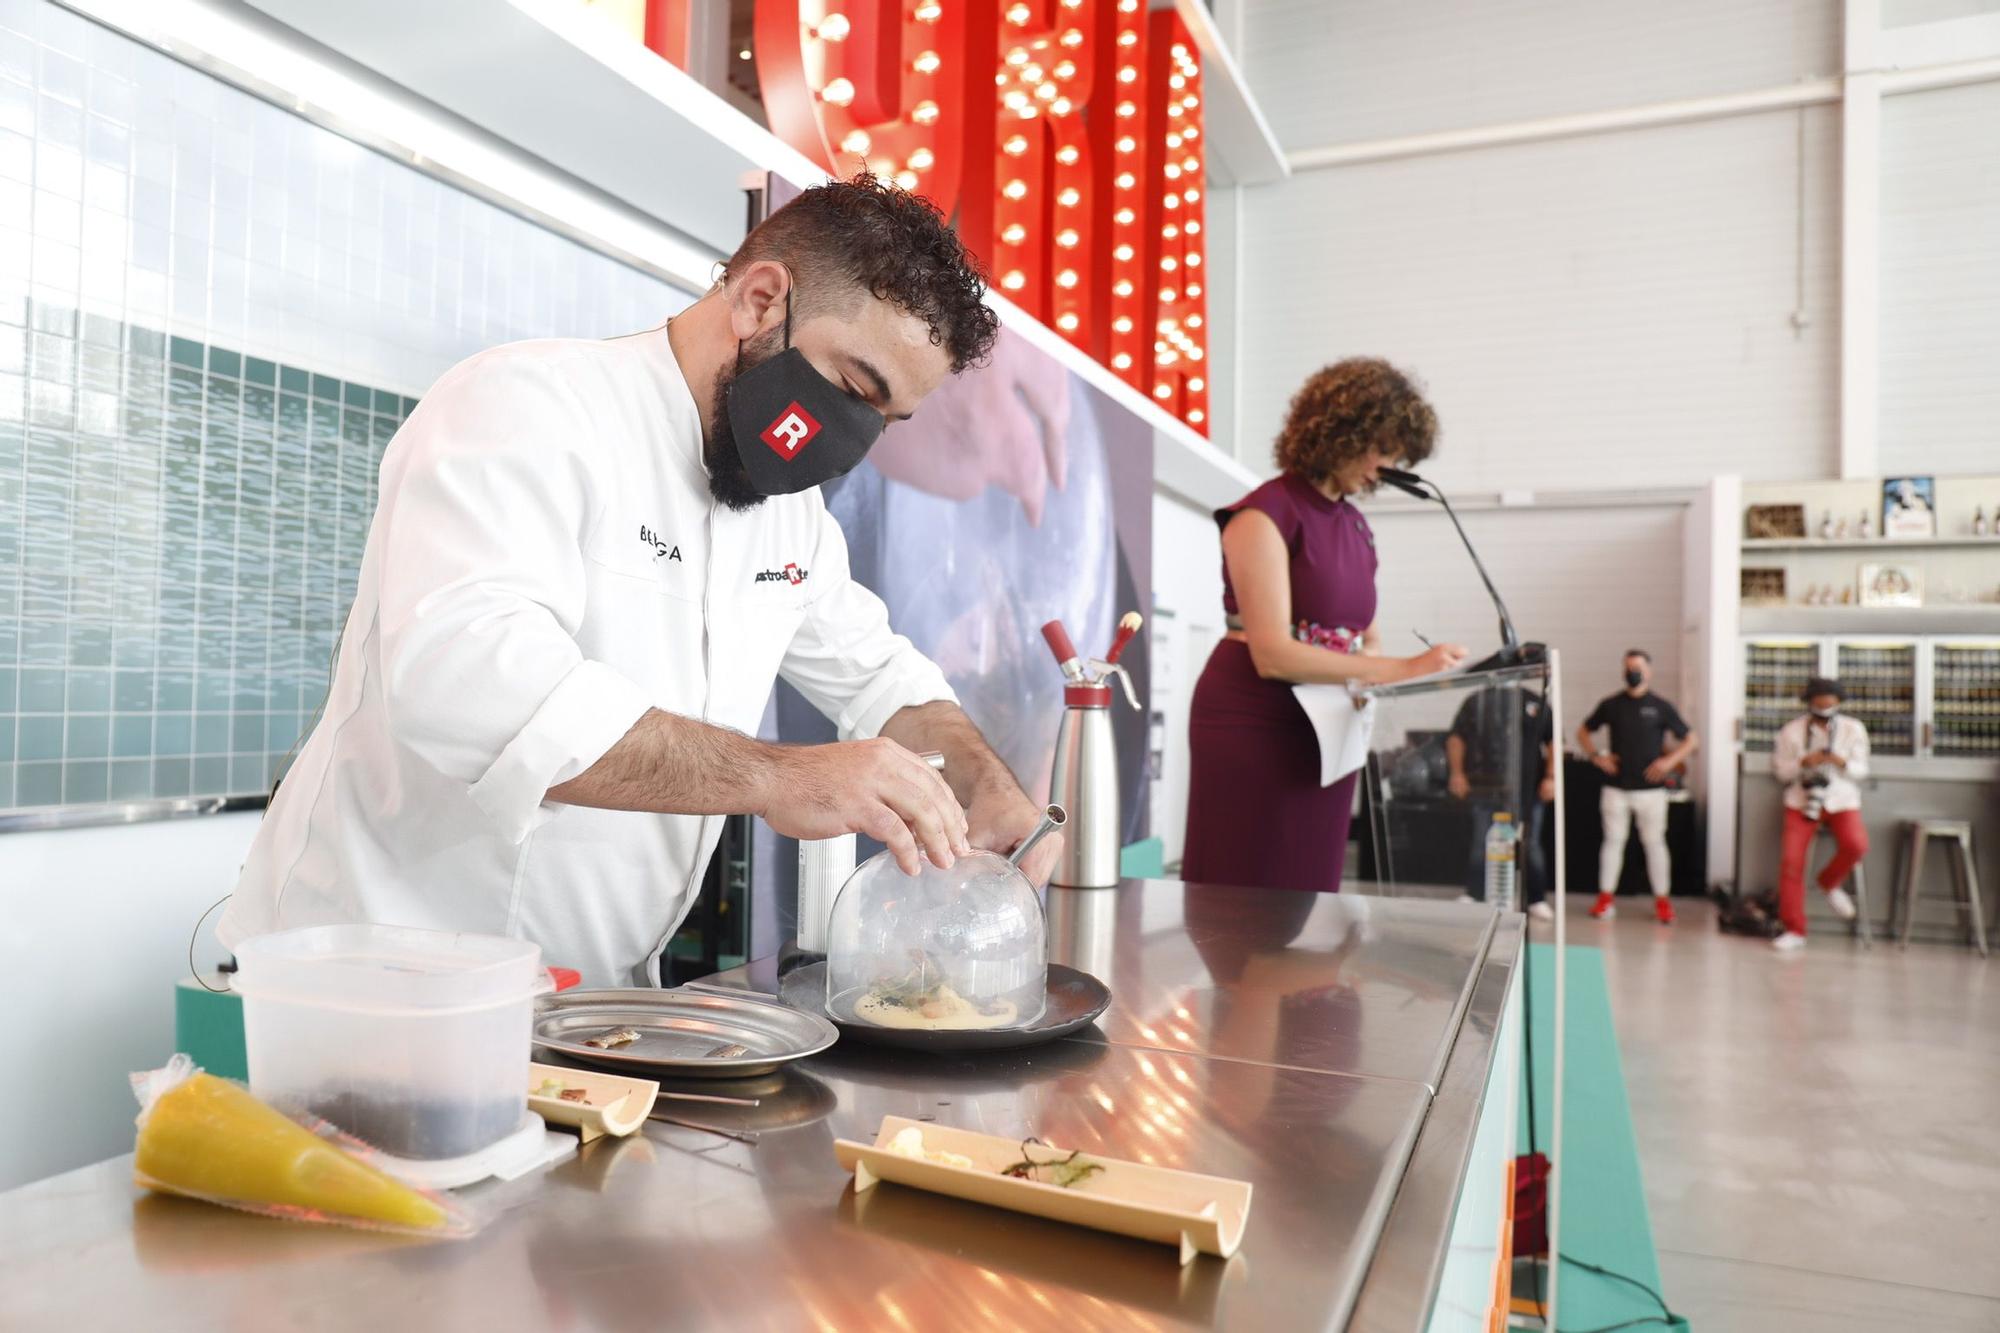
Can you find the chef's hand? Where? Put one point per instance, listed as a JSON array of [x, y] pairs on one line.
[[1607, 761], [1547, 791], [1458, 785], [1438, 657], [1001, 817], [1657, 770], [875, 787]]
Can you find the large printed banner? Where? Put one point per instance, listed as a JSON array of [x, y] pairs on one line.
[[1063, 137]]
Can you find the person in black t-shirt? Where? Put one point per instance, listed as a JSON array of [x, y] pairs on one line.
[[1637, 764], [1501, 751]]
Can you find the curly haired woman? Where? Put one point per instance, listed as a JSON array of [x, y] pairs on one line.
[[1298, 589]]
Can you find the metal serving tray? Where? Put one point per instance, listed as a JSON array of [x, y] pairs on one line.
[[678, 1030]]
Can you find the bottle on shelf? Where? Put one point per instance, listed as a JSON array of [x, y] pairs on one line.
[[1826, 526], [1867, 528], [1979, 521]]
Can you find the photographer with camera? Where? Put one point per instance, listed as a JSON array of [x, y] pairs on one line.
[[1822, 758]]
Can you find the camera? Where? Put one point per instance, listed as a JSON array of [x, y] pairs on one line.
[[1814, 781]]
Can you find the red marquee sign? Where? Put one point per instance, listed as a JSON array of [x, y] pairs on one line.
[[1078, 178]]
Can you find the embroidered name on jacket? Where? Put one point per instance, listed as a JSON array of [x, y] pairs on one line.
[[661, 547], [791, 574]]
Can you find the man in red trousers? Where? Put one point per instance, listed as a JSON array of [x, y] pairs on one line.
[[1821, 758]]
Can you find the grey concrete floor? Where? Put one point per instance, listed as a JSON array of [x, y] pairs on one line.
[[1819, 1133]]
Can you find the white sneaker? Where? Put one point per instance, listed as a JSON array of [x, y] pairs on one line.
[[1541, 911], [1842, 905], [1789, 943]]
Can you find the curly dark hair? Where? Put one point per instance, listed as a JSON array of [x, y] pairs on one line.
[[868, 234], [1343, 409]]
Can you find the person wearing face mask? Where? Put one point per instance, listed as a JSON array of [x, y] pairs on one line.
[[1821, 758], [1637, 765], [1298, 593], [588, 565]]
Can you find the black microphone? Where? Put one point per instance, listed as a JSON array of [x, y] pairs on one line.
[[1512, 651]]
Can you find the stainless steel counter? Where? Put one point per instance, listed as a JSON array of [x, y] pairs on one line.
[[1291, 1040]]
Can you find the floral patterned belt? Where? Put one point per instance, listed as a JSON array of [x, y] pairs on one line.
[[1337, 638]]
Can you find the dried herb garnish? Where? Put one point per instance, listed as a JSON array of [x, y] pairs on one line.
[[1063, 1171]]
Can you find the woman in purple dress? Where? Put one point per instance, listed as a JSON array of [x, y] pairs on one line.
[[1298, 589]]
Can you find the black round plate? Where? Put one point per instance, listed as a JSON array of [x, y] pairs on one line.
[[1075, 1000]]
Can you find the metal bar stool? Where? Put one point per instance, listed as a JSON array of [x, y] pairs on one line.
[[1917, 833], [1858, 877]]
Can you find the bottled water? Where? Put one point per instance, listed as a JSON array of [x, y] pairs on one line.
[[1503, 841]]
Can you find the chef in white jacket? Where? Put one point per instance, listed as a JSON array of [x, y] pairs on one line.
[[589, 563]]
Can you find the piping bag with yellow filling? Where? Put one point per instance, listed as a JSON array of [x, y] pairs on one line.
[[210, 1139]]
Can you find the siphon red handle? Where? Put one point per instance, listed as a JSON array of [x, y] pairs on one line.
[[1059, 644]]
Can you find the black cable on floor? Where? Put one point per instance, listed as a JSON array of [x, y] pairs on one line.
[[1666, 1318]]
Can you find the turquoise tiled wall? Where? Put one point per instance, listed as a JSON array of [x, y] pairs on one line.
[[213, 317]]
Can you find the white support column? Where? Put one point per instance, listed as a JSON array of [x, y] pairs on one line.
[[1860, 242]]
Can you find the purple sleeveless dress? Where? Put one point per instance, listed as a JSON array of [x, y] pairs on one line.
[[1256, 812]]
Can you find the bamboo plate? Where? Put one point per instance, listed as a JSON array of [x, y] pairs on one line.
[[615, 1104]]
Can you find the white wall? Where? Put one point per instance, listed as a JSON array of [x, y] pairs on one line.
[[1187, 621], [93, 938], [1941, 281]]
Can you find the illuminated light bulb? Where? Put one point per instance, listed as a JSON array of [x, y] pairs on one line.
[[1195, 416], [1127, 144], [1123, 287], [1168, 263], [1173, 172], [1128, 38], [1122, 324], [1072, 4], [1128, 74], [1073, 38], [1197, 384], [1126, 180], [1190, 133], [744, 54], [1000, 79], [1028, 111], [1122, 253], [1069, 197], [1194, 353], [857, 142], [1066, 278], [1014, 234], [1067, 238], [1170, 231], [1062, 106], [1194, 260], [1190, 165], [1171, 201], [1046, 92], [1167, 358], [1067, 321], [1125, 217], [923, 160], [1191, 195], [906, 180], [1123, 361], [1193, 290], [1163, 391], [1018, 15], [833, 28], [1068, 155], [1128, 109], [1190, 101], [1193, 227], [927, 62], [1018, 56], [1066, 69], [1128, 6], [1176, 81], [1031, 73], [1015, 189], [929, 12], [1015, 280], [1180, 51], [1015, 99], [1173, 108], [1169, 295], [1016, 145], [1173, 141], [839, 92], [924, 113]]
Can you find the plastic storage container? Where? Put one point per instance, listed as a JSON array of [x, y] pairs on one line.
[[946, 949], [415, 1041]]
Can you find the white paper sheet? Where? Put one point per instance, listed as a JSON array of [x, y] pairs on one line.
[[1342, 727]]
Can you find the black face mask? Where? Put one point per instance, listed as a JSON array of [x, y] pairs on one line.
[[794, 428], [1634, 679]]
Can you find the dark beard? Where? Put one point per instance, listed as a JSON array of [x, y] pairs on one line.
[[728, 481]]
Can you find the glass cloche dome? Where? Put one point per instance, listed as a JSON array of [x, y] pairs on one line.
[[956, 949]]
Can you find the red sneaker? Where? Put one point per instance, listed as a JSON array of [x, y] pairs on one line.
[[1663, 910], [1605, 908]]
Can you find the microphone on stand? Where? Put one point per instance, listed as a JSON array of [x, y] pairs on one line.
[[1512, 651]]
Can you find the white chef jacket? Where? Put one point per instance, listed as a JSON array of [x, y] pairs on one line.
[[545, 563], [1849, 740]]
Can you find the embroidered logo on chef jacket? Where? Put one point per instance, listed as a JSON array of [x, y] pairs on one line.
[[662, 548], [791, 574], [792, 431]]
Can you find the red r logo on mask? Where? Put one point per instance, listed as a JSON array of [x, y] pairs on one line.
[[791, 432]]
